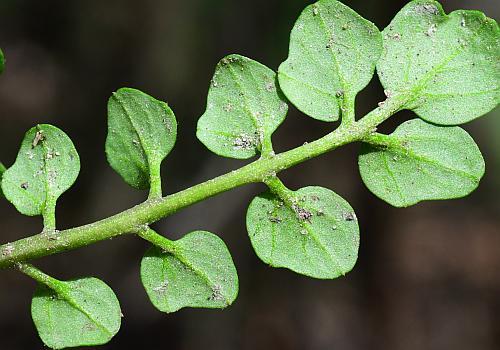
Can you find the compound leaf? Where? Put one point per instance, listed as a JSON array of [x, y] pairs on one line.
[[316, 234], [333, 53], [447, 65], [46, 166], [81, 312], [421, 161], [199, 273], [244, 107], [141, 133]]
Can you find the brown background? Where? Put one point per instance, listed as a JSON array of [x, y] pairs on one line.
[[428, 276]]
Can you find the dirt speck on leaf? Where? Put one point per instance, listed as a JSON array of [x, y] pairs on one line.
[[270, 86], [275, 219], [216, 293], [315, 10], [432, 29], [349, 216], [88, 327], [244, 141], [39, 137], [428, 9], [302, 214], [162, 288]]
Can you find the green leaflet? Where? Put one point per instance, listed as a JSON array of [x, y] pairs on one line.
[[141, 133], [2, 170], [244, 107], [333, 53], [197, 272], [46, 166], [314, 233], [81, 312], [421, 161], [2, 61], [448, 65]]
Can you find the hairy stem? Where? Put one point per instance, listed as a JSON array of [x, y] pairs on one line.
[[155, 180], [277, 187], [41, 277], [348, 109], [156, 239], [133, 220], [49, 216]]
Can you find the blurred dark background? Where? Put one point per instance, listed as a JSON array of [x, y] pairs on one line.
[[428, 277]]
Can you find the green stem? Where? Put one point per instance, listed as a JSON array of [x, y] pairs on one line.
[[155, 180], [156, 239], [133, 219], [277, 187], [267, 148], [49, 216], [348, 109], [381, 140], [41, 277]]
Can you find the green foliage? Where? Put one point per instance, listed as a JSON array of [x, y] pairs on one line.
[[2, 170], [195, 271], [82, 312], [244, 107], [446, 68], [333, 52], [46, 166], [448, 65], [141, 133], [421, 161], [312, 231], [2, 61]]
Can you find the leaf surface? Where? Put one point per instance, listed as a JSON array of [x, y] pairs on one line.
[[46, 166], [244, 107], [421, 161], [447, 65], [84, 312], [317, 235], [200, 273], [141, 133], [332, 56]]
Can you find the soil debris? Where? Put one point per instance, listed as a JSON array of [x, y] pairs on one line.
[[216, 293], [243, 141], [427, 9], [302, 214], [349, 216], [39, 137]]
